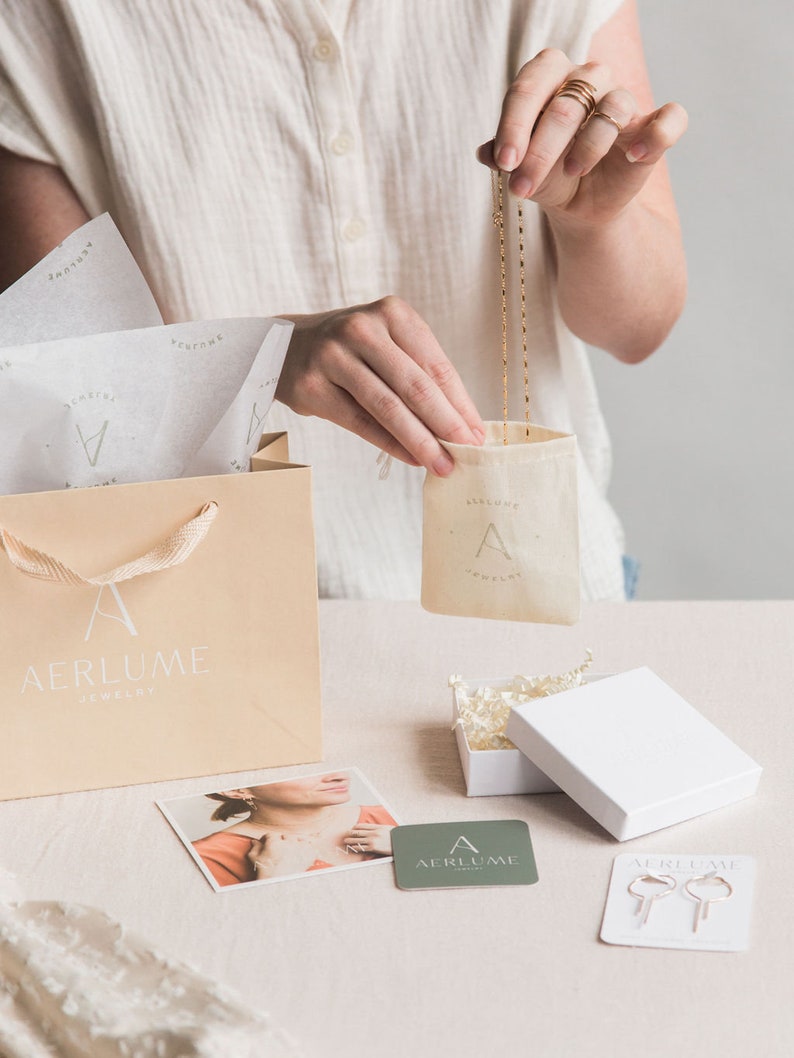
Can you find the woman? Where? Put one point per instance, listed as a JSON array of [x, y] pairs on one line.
[[292, 158], [293, 826]]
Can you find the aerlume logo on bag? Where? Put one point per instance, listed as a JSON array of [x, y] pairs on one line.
[[122, 616], [115, 677]]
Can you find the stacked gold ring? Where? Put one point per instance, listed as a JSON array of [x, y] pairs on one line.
[[607, 117], [582, 91]]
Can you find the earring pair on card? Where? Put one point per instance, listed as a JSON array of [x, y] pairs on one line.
[[648, 888]]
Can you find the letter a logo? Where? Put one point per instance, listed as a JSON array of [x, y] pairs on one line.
[[86, 442], [494, 541], [465, 843], [255, 424], [122, 614]]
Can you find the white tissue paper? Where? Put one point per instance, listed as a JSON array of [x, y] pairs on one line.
[[90, 283], [83, 406]]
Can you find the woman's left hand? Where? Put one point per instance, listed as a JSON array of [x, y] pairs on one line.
[[372, 838], [583, 170]]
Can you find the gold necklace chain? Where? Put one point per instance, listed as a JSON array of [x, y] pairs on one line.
[[499, 221], [299, 828], [524, 355], [497, 193]]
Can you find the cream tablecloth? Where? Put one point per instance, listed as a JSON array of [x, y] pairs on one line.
[[352, 966]]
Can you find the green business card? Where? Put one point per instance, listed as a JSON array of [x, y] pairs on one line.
[[452, 855]]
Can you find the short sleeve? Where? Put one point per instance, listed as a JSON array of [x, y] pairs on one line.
[[593, 14], [224, 856], [569, 26], [18, 131], [376, 814], [46, 111]]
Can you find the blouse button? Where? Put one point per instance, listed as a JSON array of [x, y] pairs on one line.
[[323, 50], [342, 144], [354, 229]]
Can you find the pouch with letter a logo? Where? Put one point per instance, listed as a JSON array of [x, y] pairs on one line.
[[501, 533]]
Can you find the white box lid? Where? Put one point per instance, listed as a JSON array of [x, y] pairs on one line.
[[633, 753]]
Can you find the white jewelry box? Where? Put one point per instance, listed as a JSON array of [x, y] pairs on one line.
[[491, 772], [633, 753]]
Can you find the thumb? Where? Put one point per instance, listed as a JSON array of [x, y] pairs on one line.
[[258, 846]]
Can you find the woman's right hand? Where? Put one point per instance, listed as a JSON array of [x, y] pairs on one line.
[[378, 371], [371, 838]]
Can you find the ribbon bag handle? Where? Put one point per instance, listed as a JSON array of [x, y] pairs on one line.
[[172, 551]]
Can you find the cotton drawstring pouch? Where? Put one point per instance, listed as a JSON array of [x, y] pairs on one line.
[[501, 532]]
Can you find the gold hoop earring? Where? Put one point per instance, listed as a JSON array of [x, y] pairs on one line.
[[702, 910], [646, 900]]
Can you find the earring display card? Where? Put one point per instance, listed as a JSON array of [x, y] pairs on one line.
[[700, 902]]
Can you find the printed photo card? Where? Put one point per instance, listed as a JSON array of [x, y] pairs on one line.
[[285, 829]]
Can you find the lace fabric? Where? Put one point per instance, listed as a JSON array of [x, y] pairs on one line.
[[76, 984]]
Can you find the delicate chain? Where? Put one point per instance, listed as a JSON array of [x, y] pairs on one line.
[[499, 222], [524, 356], [497, 193]]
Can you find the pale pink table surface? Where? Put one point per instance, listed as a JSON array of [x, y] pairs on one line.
[[352, 966]]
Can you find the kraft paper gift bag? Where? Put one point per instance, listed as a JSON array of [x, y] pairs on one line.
[[501, 533], [159, 630]]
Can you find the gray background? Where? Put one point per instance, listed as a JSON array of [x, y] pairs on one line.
[[703, 463]]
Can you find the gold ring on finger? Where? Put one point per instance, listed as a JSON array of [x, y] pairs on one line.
[[582, 91], [607, 117]]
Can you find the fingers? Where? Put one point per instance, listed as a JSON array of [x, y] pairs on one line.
[[408, 411], [358, 840], [378, 371], [369, 837], [432, 388], [485, 155], [562, 119], [657, 133], [526, 98], [613, 115], [549, 142], [638, 149], [339, 407]]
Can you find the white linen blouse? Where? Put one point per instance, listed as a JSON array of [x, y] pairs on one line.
[[287, 156]]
